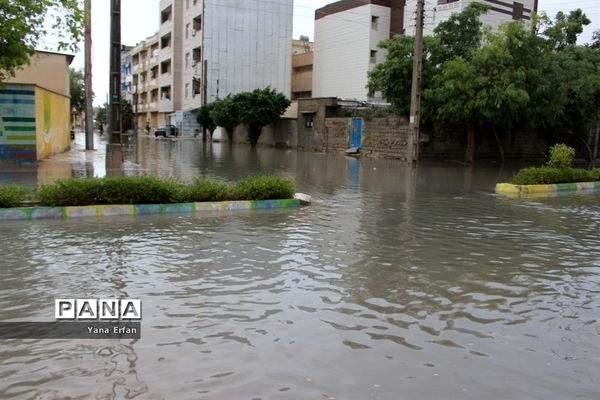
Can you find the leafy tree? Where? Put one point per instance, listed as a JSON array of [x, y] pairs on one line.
[[226, 113], [126, 115], [596, 40], [459, 36], [480, 92], [565, 29], [77, 84], [24, 25], [101, 116], [204, 119], [260, 108]]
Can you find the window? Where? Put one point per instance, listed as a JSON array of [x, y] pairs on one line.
[[165, 15], [195, 87], [187, 60], [165, 41], [197, 56], [187, 90], [165, 67], [374, 22], [165, 93], [198, 23], [187, 31], [309, 121], [373, 56]]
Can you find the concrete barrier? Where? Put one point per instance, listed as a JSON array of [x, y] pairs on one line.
[[509, 189], [100, 211]]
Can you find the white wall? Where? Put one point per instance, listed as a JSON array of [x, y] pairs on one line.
[[343, 42], [247, 44], [434, 14]]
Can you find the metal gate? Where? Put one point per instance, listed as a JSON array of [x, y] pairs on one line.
[[356, 133]]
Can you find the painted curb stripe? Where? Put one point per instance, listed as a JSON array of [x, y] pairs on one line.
[[524, 190], [101, 211]]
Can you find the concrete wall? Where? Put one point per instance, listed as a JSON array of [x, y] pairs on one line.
[[17, 123], [247, 45], [281, 134], [47, 70], [343, 45], [52, 123]]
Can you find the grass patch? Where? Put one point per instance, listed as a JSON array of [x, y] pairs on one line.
[[263, 187], [552, 175], [12, 196], [146, 190]]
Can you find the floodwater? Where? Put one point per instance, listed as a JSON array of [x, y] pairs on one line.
[[393, 285]]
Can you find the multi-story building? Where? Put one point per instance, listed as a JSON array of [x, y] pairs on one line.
[[348, 32], [144, 83], [436, 11], [208, 49], [302, 67]]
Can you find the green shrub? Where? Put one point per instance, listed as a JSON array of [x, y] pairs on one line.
[[561, 156], [70, 192], [12, 196], [141, 190], [153, 190], [207, 190], [263, 187], [550, 175]]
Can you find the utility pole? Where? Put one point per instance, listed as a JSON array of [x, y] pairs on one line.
[[114, 127], [89, 109], [415, 99]]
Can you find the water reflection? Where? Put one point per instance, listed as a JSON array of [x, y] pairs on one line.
[[419, 282]]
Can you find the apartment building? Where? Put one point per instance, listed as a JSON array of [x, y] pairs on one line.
[[207, 49], [302, 67], [347, 34], [436, 11], [144, 87]]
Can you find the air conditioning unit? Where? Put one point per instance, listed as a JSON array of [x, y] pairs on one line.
[[193, 32], [193, 63]]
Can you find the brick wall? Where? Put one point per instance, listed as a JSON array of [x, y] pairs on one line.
[[381, 137]]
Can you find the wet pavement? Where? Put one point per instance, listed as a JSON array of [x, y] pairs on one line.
[[394, 284]]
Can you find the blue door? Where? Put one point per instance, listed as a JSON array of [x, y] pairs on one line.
[[356, 133]]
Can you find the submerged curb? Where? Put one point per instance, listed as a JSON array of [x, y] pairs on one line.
[[99, 211], [541, 190]]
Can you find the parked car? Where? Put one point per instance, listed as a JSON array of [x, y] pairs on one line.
[[166, 130]]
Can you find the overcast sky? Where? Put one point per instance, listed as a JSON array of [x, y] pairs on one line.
[[140, 20]]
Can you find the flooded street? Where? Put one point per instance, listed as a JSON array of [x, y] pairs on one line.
[[394, 284]]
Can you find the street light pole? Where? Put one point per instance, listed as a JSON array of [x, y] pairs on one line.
[[89, 109], [415, 99]]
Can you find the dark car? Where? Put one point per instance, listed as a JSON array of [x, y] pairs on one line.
[[166, 130]]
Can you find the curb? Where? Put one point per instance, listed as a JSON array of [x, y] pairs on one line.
[[99, 211], [509, 189]]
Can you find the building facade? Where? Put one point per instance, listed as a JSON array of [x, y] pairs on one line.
[[207, 49], [302, 68], [35, 109], [348, 32]]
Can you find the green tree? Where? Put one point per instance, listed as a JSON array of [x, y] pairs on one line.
[[459, 36], [204, 119], [483, 91], [565, 29], [225, 113], [101, 116], [76, 80], [24, 24], [596, 40], [260, 108]]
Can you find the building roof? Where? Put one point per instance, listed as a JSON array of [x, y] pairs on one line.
[[69, 57], [345, 5]]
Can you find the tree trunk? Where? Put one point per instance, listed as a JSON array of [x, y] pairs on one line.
[[500, 147], [254, 133], [229, 134], [470, 152], [587, 148]]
